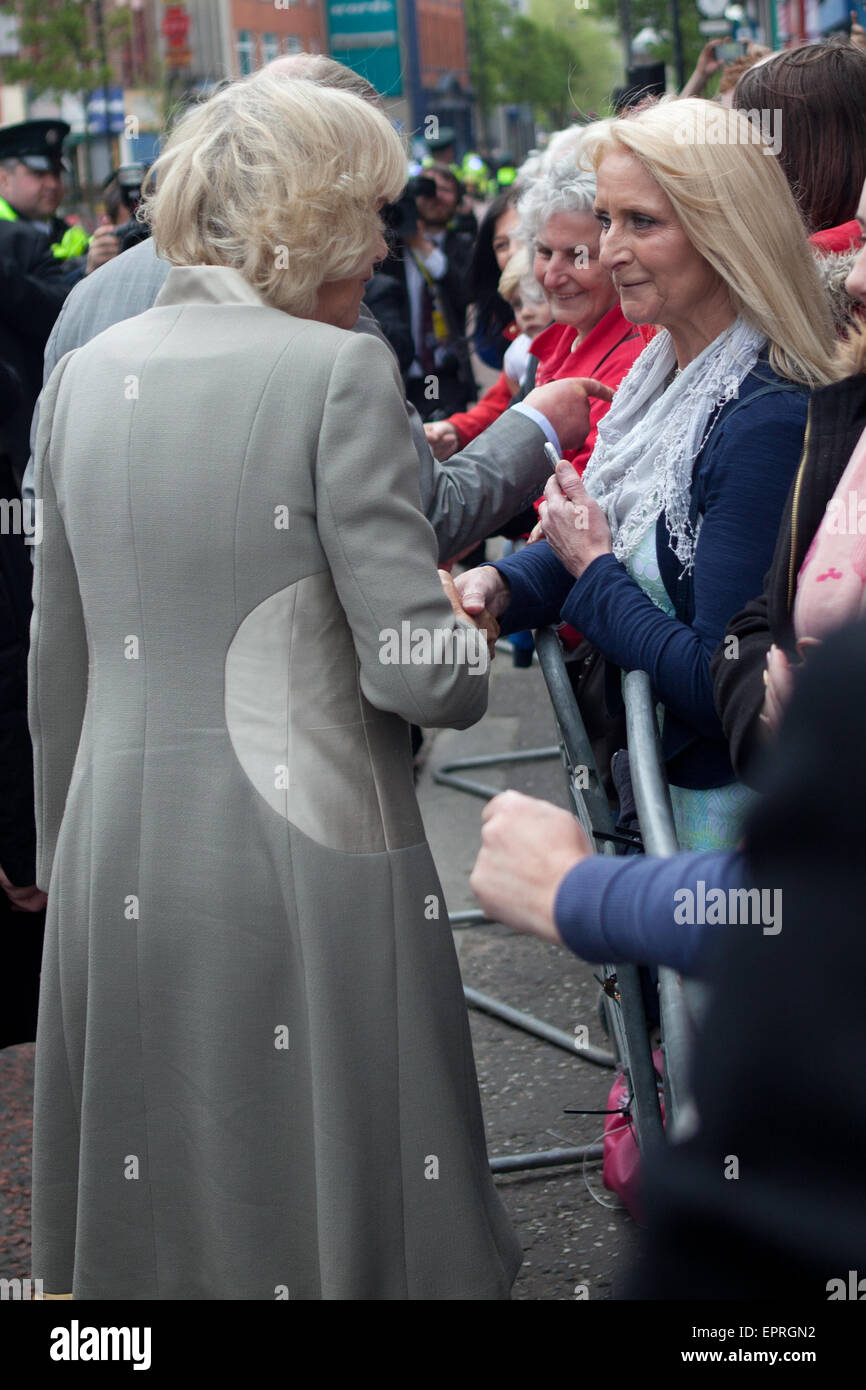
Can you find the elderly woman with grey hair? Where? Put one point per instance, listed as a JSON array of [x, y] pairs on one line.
[[589, 336], [254, 1074]]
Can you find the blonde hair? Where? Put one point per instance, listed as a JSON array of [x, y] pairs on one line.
[[517, 267], [278, 178], [735, 206]]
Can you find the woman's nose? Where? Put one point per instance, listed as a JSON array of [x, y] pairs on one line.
[[559, 268], [856, 281], [613, 251]]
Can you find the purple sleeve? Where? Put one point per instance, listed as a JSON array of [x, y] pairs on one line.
[[540, 584], [637, 908]]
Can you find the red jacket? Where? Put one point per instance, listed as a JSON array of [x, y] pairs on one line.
[[470, 423], [846, 237], [606, 353]]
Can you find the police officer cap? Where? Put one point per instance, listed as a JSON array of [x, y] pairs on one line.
[[443, 141], [38, 144]]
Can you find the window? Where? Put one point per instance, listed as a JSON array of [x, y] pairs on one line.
[[270, 48], [293, 44], [246, 50]]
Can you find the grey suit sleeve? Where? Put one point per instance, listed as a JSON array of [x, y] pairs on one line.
[[57, 671], [481, 488], [382, 552]]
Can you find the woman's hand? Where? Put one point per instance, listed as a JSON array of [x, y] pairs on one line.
[[779, 682], [26, 899], [573, 522], [443, 439], [707, 65], [527, 847]]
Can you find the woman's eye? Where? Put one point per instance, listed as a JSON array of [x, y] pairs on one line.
[[603, 218], [640, 220]]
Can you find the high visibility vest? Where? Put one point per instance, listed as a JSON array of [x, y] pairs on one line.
[[74, 241]]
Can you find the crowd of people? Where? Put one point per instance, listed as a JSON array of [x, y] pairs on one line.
[[257, 450]]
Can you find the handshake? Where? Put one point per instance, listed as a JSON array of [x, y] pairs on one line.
[[482, 619]]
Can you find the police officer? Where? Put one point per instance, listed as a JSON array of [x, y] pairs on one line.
[[31, 190]]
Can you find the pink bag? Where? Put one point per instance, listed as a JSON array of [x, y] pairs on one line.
[[621, 1171]]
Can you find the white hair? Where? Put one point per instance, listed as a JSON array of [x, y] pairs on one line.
[[565, 188]]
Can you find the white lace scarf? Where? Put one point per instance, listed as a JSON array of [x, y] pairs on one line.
[[648, 441]]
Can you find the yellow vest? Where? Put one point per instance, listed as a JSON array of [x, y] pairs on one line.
[[74, 241]]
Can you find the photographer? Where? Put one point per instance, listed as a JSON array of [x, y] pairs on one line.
[[428, 263]]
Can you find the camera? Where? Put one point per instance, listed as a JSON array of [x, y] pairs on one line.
[[401, 217]]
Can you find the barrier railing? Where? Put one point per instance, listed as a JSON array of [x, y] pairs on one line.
[[656, 818], [623, 993], [622, 985]]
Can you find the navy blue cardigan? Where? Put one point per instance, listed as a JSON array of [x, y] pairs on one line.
[[739, 486]]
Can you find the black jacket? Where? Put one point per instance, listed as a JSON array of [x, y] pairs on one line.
[[778, 1060], [33, 286], [837, 418], [451, 292]]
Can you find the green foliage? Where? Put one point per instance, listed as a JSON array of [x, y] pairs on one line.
[[594, 40], [537, 66], [656, 14], [563, 62], [60, 44]]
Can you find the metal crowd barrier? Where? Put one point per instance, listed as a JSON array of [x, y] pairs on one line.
[[623, 993], [656, 818], [623, 996]]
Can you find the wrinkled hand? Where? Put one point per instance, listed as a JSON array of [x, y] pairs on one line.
[[572, 521], [779, 683], [104, 246], [483, 620], [443, 439], [483, 590], [566, 405], [527, 847]]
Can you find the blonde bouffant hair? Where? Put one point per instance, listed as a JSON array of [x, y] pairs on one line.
[[735, 206], [278, 178]]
